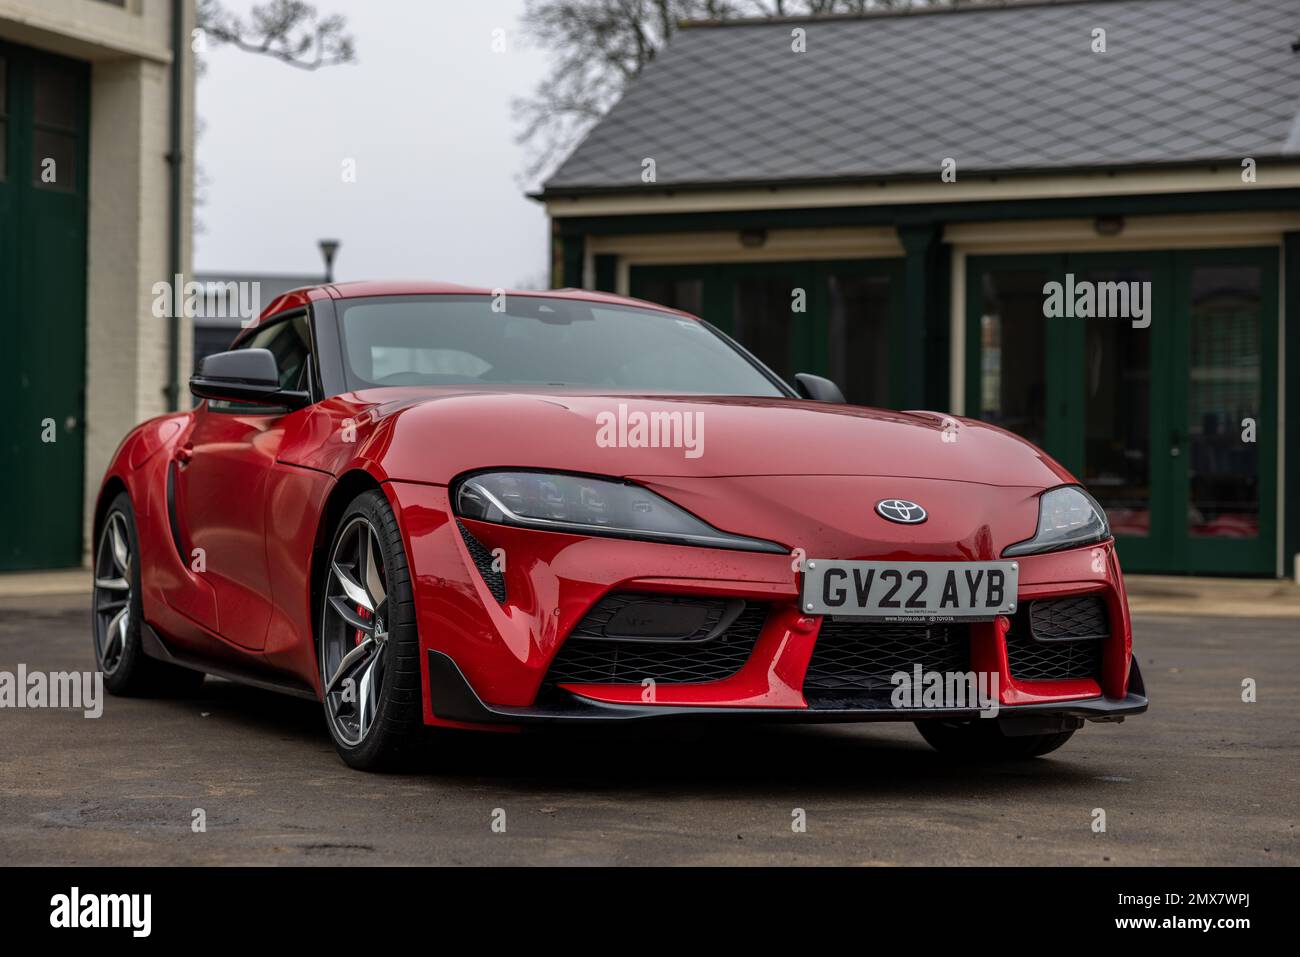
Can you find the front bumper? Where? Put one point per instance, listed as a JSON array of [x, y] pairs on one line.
[[454, 699], [485, 659]]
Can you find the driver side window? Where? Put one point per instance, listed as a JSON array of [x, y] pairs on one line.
[[289, 340]]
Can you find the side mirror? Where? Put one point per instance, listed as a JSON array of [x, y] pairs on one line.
[[818, 389], [244, 375]]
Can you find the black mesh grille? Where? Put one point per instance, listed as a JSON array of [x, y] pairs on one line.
[[584, 658], [1058, 639], [604, 620], [494, 579], [863, 655], [1069, 618]]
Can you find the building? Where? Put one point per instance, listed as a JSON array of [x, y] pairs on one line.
[[96, 127], [887, 199]]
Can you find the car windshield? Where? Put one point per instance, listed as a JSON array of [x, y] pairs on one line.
[[539, 341]]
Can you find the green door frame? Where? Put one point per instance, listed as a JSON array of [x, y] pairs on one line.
[[810, 342], [1168, 547]]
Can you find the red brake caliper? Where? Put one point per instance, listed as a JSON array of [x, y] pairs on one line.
[[361, 635]]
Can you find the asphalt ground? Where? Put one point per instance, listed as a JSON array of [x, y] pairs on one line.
[[1202, 779]]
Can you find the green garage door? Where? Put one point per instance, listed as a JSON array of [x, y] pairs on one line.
[[44, 110]]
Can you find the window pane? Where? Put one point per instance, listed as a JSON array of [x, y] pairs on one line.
[[1224, 389], [289, 343], [55, 97], [859, 337], [1013, 337], [54, 160], [684, 294], [762, 321], [1117, 427]]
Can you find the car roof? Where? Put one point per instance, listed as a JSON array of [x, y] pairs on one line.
[[365, 289]]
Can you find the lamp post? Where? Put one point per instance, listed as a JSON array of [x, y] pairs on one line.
[[328, 249]]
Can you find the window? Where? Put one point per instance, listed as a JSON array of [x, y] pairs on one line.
[[1224, 391], [289, 340], [461, 340], [859, 310], [762, 320], [54, 128], [1013, 347], [684, 294]]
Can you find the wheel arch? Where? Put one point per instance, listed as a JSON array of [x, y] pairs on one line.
[[112, 487]]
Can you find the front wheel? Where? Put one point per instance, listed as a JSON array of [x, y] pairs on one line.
[[369, 651], [984, 739]]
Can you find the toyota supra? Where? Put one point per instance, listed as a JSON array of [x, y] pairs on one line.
[[432, 506]]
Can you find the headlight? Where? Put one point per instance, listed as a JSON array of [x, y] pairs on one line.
[[589, 506], [1067, 516]]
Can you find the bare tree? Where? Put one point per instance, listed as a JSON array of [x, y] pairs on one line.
[[287, 30], [601, 45]]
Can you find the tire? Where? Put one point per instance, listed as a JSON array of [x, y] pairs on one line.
[[983, 739], [367, 642], [117, 614]]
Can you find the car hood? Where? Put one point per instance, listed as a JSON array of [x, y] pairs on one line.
[[433, 438]]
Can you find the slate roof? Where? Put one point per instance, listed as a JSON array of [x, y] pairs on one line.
[[1014, 88]]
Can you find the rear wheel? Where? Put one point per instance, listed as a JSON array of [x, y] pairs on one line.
[[369, 652], [984, 739], [117, 616]]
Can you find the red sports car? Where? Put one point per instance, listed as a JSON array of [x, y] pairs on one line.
[[430, 505]]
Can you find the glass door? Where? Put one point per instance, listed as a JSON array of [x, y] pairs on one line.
[[1223, 398], [1163, 406], [1115, 368]]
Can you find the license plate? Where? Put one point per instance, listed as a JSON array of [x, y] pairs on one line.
[[898, 591]]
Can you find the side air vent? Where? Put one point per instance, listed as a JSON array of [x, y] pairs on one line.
[[1058, 639], [634, 617], [482, 558], [628, 638], [1069, 619], [173, 524]]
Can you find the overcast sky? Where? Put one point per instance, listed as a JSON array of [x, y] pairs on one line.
[[425, 113]]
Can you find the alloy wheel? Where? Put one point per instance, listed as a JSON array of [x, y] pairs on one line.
[[112, 598], [354, 631]]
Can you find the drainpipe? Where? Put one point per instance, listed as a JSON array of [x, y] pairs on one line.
[[175, 158]]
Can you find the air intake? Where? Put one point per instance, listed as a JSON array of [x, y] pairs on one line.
[[483, 561]]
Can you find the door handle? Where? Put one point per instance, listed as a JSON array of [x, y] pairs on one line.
[[184, 454]]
